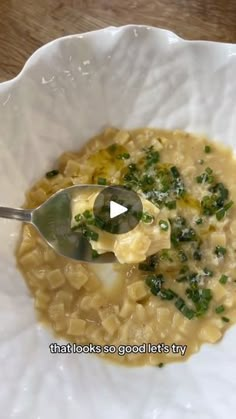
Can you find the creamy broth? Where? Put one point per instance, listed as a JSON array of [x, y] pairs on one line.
[[185, 295]]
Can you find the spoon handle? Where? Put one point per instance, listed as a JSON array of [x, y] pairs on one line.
[[16, 214]]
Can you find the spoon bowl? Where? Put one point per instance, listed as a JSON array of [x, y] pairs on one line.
[[52, 219]]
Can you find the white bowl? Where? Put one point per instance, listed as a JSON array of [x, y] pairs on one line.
[[69, 90]]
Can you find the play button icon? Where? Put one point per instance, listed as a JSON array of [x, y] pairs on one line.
[[117, 209]]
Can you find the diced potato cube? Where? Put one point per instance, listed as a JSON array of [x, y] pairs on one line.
[[55, 279], [127, 308], [140, 312], [111, 324], [28, 242], [93, 282], [45, 184], [76, 275], [56, 312], [163, 315], [106, 311], [85, 303], [210, 333], [121, 137], [60, 325], [31, 259], [43, 296], [219, 290], [72, 168], [49, 255], [38, 196], [218, 238], [41, 300], [147, 333], [232, 315], [76, 327], [64, 297], [97, 301], [95, 333], [137, 290], [177, 320]]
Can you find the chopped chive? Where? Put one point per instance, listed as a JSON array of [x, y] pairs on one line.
[[223, 279], [95, 254], [164, 225], [155, 282], [167, 294], [220, 251], [123, 156], [207, 149], [102, 181], [219, 309], [147, 218], [179, 303], [221, 212], [78, 217], [112, 148], [175, 172], [182, 256], [199, 221], [187, 312], [208, 272], [225, 319], [52, 173], [87, 214], [161, 365], [206, 294], [197, 255], [171, 205], [152, 156], [91, 235]]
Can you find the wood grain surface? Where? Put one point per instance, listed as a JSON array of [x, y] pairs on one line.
[[25, 25]]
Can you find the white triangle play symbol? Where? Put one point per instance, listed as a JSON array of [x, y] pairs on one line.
[[116, 209]]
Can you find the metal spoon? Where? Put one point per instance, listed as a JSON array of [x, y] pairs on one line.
[[53, 221]]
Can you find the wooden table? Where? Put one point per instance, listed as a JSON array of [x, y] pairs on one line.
[[25, 25]]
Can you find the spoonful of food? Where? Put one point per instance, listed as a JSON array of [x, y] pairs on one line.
[[98, 224]]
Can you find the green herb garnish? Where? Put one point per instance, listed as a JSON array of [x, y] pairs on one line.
[[220, 251], [155, 282], [152, 156], [164, 225], [147, 218], [171, 205], [207, 149], [199, 221], [184, 309], [167, 294], [221, 213], [90, 234], [197, 254], [182, 256], [208, 272], [150, 264], [181, 231], [206, 177], [102, 181], [219, 309], [223, 279], [225, 319], [123, 156], [52, 173]]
